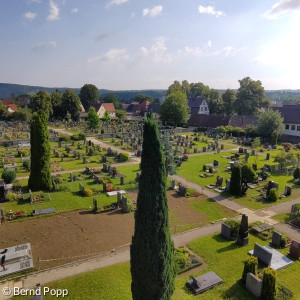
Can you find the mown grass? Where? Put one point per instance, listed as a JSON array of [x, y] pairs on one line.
[[222, 257]]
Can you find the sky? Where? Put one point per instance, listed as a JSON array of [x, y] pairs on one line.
[[140, 44]]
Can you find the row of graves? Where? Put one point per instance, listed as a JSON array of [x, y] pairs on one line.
[[132, 142], [267, 255], [14, 131], [123, 203]]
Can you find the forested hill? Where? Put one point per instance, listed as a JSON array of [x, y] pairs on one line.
[[8, 90]]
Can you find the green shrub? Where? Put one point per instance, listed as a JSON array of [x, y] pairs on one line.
[[204, 168], [16, 186], [91, 151], [269, 288], [26, 164], [235, 226], [88, 192], [9, 176], [123, 156], [249, 174], [23, 152], [130, 206], [63, 188], [5, 144], [283, 241], [250, 266], [181, 257], [78, 137], [64, 138], [211, 170], [273, 195], [296, 173], [12, 196]]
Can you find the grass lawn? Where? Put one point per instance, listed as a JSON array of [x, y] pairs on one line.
[[193, 168], [71, 199], [284, 218], [222, 257]]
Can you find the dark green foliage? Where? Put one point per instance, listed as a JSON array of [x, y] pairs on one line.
[[273, 195], [274, 138], [204, 168], [236, 180], [123, 156], [169, 157], [41, 101], [152, 250], [210, 169], [283, 293], [26, 164], [89, 94], [40, 174], [283, 241], [93, 121], [235, 226], [78, 137], [9, 176], [296, 173], [70, 106], [250, 266], [181, 258], [269, 288], [249, 174]]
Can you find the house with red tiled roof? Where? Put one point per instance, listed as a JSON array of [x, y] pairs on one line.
[[11, 108], [101, 108], [8, 101]]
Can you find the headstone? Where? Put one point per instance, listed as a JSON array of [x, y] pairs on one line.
[[241, 150], [71, 177], [254, 285], [226, 231], [137, 177], [288, 190], [105, 168], [84, 159], [271, 185], [204, 149], [254, 166], [81, 187], [182, 190], [268, 156], [276, 238], [104, 187], [95, 205], [263, 254], [195, 150], [172, 184], [222, 146], [216, 163], [219, 181], [227, 188], [31, 197], [121, 180], [242, 238], [252, 152], [295, 250]]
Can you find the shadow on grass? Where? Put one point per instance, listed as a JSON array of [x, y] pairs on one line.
[[230, 247], [237, 292], [219, 238]]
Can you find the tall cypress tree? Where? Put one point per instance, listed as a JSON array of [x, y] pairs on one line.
[[236, 180], [40, 173], [152, 250]]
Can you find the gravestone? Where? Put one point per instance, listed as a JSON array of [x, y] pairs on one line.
[[219, 181], [276, 238], [95, 205], [195, 150], [263, 254], [105, 169], [226, 231], [104, 187], [137, 177], [271, 185], [227, 188], [295, 250], [241, 150], [216, 163], [254, 166], [254, 285], [30, 196], [81, 187], [84, 159], [268, 156], [252, 152], [288, 190], [182, 190], [121, 180], [204, 149], [172, 184], [246, 158], [222, 146], [103, 159], [242, 238], [71, 177]]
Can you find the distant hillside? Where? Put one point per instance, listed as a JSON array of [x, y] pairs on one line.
[[8, 90]]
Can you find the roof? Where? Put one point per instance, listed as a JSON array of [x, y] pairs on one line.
[[213, 121], [154, 107], [209, 121], [109, 107], [12, 106], [290, 113], [8, 101], [195, 102], [96, 106]]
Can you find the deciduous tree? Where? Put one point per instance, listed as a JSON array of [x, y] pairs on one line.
[[89, 94]]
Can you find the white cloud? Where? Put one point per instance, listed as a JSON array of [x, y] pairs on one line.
[[210, 10], [34, 1], [154, 12], [43, 46], [112, 56], [74, 11], [54, 11], [29, 15], [281, 8], [229, 51], [157, 52], [115, 2]]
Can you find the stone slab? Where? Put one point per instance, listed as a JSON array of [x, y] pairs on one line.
[[115, 193], [203, 283], [278, 261], [44, 211], [17, 259]]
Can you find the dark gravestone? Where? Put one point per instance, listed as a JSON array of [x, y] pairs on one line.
[[121, 180], [216, 163], [204, 149], [104, 187], [241, 150], [172, 184], [226, 231], [268, 156], [95, 205], [219, 181], [242, 238], [203, 283], [254, 166], [276, 238], [182, 190], [288, 190], [295, 250], [105, 169], [271, 185], [263, 254], [252, 152], [227, 188]]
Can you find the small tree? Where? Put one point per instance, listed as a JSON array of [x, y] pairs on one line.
[[9, 176], [296, 173], [273, 195], [250, 266], [256, 144], [249, 174], [93, 120], [236, 180], [269, 288]]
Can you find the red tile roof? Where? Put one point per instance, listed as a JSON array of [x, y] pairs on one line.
[[12, 106], [8, 101], [109, 107]]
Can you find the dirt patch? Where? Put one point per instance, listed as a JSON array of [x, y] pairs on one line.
[[75, 235]]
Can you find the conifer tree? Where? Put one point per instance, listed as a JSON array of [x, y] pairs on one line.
[[236, 180], [152, 250], [40, 173]]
